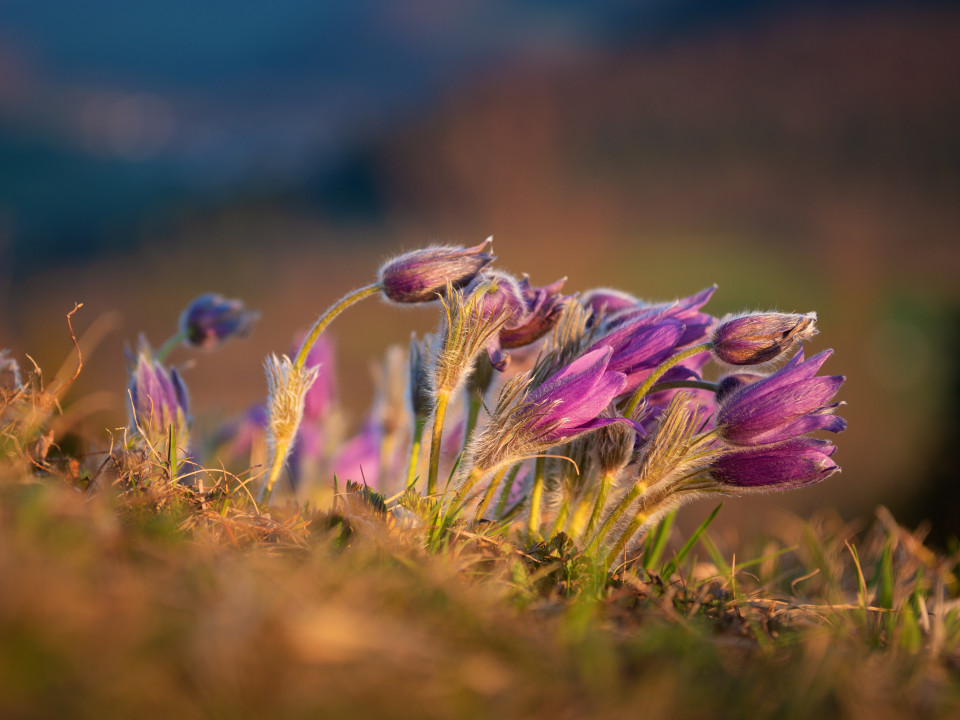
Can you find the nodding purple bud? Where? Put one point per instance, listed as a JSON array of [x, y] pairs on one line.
[[421, 402], [499, 296], [542, 308], [729, 384], [760, 337], [788, 465], [211, 319], [421, 275], [10, 381]]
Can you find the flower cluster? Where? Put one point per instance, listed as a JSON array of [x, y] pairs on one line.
[[590, 414]]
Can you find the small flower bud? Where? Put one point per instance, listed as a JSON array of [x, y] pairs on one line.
[[10, 381], [421, 275], [211, 319], [614, 446], [158, 398], [760, 337]]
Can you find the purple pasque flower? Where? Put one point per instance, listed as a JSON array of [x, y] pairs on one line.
[[729, 384], [499, 296], [158, 398], [211, 319], [640, 345], [696, 324], [604, 301], [569, 402], [421, 275], [757, 338], [790, 402], [541, 309], [787, 465]]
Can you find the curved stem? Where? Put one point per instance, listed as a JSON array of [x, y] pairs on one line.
[[418, 426], [354, 296], [438, 414], [658, 373], [692, 384], [169, 345], [536, 495]]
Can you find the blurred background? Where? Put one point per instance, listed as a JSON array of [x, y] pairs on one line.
[[802, 155]]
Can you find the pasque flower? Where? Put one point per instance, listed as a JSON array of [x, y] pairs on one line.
[[791, 402], [421, 275], [211, 319], [639, 345], [158, 399], [782, 466], [567, 404], [759, 337]]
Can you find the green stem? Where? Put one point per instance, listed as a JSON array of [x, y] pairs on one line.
[[475, 476], [658, 373], [692, 384], [474, 403], [605, 482], [354, 296], [488, 495], [561, 518], [638, 520], [625, 502], [511, 479], [169, 345], [418, 426], [536, 495], [439, 412], [279, 457]]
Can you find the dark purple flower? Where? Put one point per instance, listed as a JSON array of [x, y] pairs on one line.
[[640, 345], [570, 401], [696, 324], [760, 337], [787, 465], [420, 275], [158, 398], [791, 402], [541, 310], [211, 319]]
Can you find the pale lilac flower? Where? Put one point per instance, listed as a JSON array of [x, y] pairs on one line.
[[421, 275], [760, 337], [158, 398], [791, 402], [790, 464], [211, 319]]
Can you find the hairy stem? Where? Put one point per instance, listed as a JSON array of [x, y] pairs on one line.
[[418, 426], [602, 492], [169, 345], [352, 297], [658, 373], [490, 492], [438, 414], [536, 496]]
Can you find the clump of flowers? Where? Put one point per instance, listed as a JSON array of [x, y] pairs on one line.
[[588, 414]]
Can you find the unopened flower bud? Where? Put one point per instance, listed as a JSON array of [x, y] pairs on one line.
[[10, 381], [211, 319], [158, 399], [421, 275], [761, 337], [614, 445]]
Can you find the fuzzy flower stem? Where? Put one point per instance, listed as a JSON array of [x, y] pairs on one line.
[[276, 467], [638, 520], [504, 496], [561, 520], [658, 373], [441, 409], [536, 495], [625, 502], [602, 492], [488, 495], [692, 384], [354, 296], [474, 403], [418, 426], [169, 345]]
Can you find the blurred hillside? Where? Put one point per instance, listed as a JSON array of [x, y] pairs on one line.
[[802, 159]]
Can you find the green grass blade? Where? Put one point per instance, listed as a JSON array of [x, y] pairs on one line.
[[672, 566]]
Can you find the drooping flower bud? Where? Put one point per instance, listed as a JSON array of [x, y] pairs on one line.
[[422, 275], [760, 337], [211, 319]]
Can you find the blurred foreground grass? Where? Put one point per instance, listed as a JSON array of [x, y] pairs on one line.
[[125, 595]]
